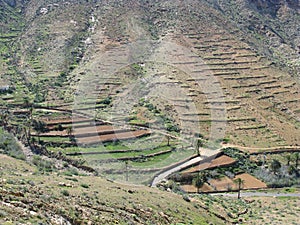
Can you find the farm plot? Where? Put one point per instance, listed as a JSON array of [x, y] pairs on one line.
[[220, 161], [88, 131], [97, 130], [106, 147], [206, 188], [227, 184], [250, 182], [112, 137], [221, 184]]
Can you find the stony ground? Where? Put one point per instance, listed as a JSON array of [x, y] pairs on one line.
[[31, 196]]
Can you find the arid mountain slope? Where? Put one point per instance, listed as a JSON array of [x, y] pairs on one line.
[[251, 48]]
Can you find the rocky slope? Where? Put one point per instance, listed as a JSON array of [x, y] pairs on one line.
[[272, 26], [32, 196], [251, 48]]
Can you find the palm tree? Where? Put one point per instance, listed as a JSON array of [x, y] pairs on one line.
[[288, 158], [27, 103], [29, 120], [168, 139], [240, 182], [199, 144], [296, 157], [39, 127], [69, 131], [26, 125], [275, 166], [27, 132], [199, 180]]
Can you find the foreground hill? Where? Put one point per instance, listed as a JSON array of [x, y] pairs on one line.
[[41, 193], [34, 196]]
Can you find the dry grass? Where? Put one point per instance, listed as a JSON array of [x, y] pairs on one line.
[[86, 199]]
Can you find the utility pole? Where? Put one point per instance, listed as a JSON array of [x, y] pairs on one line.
[[126, 169]]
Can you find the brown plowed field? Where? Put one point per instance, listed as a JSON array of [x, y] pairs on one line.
[[88, 131], [223, 160], [250, 182], [227, 184], [112, 137], [193, 189], [54, 134], [105, 129], [223, 184]]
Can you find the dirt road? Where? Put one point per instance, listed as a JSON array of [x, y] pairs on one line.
[[260, 194], [184, 164]]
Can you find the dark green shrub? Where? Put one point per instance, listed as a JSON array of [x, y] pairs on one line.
[[71, 171], [85, 185], [43, 165], [65, 193], [106, 101]]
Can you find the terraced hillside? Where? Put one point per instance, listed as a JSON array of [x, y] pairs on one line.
[[140, 92], [135, 83], [260, 97]]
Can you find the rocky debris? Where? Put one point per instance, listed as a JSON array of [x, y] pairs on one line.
[[131, 192], [62, 184], [43, 11]]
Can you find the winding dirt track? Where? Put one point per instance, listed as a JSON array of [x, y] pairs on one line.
[[185, 164], [260, 194], [255, 150]]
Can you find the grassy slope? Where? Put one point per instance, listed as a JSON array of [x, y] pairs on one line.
[[51, 196], [24, 196], [255, 210]]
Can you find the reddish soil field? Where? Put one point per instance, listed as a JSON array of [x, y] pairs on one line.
[[105, 129], [198, 168], [193, 189], [223, 160], [223, 184], [250, 182], [112, 137], [88, 131]]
